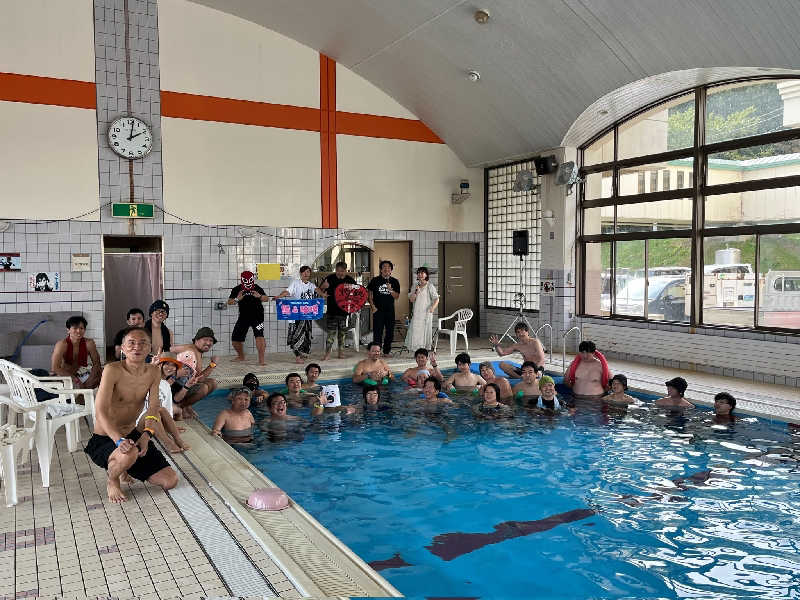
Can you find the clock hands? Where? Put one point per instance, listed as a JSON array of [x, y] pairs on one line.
[[133, 136]]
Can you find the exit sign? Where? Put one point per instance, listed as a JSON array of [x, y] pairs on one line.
[[132, 211]]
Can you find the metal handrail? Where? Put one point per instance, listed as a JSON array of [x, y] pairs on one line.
[[550, 346], [564, 347]]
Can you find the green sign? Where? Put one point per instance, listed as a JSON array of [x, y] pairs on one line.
[[132, 211]]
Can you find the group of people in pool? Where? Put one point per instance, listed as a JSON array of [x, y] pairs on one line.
[[488, 394]]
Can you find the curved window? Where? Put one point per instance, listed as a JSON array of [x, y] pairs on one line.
[[691, 210]]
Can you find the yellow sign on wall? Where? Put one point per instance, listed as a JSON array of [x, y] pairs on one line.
[[268, 271]]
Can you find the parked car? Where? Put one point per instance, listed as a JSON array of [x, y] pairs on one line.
[[666, 297]]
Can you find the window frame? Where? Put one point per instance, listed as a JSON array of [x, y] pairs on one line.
[[697, 191]]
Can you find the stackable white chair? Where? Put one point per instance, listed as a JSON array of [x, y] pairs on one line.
[[462, 317], [61, 411], [13, 440]]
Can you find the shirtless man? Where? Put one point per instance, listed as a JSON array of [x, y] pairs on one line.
[[676, 388], [313, 371], [116, 444], [431, 392], [192, 356], [373, 369], [70, 356], [617, 396], [416, 376], [463, 378], [296, 397], [529, 386], [503, 385], [588, 378], [160, 333], [530, 348]]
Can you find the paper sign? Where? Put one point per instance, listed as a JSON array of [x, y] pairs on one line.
[[81, 262], [268, 271], [300, 310], [350, 297]]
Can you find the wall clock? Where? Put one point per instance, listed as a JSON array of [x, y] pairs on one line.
[[130, 137]]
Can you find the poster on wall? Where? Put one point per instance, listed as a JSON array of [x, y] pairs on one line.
[[10, 261], [548, 288], [44, 282]]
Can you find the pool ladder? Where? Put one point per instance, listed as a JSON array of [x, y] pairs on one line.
[[564, 346], [550, 345]]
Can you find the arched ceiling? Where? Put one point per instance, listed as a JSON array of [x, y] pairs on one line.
[[546, 65]]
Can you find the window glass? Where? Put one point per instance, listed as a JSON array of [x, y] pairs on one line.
[[668, 126], [758, 207], [729, 280], [655, 216], [656, 177], [630, 284], [598, 220], [779, 275], [597, 286], [597, 185], [669, 277], [750, 108], [602, 151]]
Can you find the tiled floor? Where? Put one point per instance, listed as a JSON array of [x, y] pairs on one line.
[[68, 540]]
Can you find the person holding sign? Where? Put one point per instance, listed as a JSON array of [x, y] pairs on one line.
[[298, 336], [336, 324], [249, 297]]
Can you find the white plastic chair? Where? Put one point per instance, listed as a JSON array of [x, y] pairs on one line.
[[60, 411], [462, 317], [13, 439]]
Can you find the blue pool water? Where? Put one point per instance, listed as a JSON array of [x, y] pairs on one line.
[[579, 506]]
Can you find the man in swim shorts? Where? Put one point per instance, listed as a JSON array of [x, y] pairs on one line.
[[116, 444], [372, 370], [530, 348], [250, 298]]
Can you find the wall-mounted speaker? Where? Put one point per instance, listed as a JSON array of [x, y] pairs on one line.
[[519, 242], [545, 164]]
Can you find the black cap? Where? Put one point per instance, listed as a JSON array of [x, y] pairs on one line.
[[204, 332], [679, 383], [158, 305]]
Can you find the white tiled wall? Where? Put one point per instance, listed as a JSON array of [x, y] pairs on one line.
[[196, 274]]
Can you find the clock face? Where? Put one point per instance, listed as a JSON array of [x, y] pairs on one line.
[[130, 137]]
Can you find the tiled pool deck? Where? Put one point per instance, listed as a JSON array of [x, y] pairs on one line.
[[199, 540]]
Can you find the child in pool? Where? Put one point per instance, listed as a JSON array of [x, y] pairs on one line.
[[235, 424], [529, 386], [463, 378], [490, 408]]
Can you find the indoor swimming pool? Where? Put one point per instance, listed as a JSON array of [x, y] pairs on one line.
[[587, 503]]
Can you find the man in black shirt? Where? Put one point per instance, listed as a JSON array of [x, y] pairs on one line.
[[249, 297], [336, 318], [135, 319], [383, 291]]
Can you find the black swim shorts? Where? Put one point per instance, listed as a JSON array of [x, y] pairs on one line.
[[100, 448], [239, 332]]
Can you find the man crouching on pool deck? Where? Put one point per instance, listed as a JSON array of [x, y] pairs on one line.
[[116, 445]]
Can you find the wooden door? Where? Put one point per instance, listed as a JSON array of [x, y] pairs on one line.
[[458, 281], [399, 253]]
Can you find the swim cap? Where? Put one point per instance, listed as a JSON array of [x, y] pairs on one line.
[[248, 280], [546, 379], [268, 499]]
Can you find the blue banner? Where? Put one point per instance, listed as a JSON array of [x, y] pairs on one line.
[[300, 310]]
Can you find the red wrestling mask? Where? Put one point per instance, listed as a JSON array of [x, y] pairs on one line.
[[248, 280]]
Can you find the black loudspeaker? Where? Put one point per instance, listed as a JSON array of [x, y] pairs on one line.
[[545, 164], [519, 242]]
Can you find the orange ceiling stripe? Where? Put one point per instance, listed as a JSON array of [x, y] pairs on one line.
[[243, 112], [47, 90], [384, 127]]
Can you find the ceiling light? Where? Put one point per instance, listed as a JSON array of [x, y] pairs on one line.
[[482, 16], [473, 76], [602, 112]]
